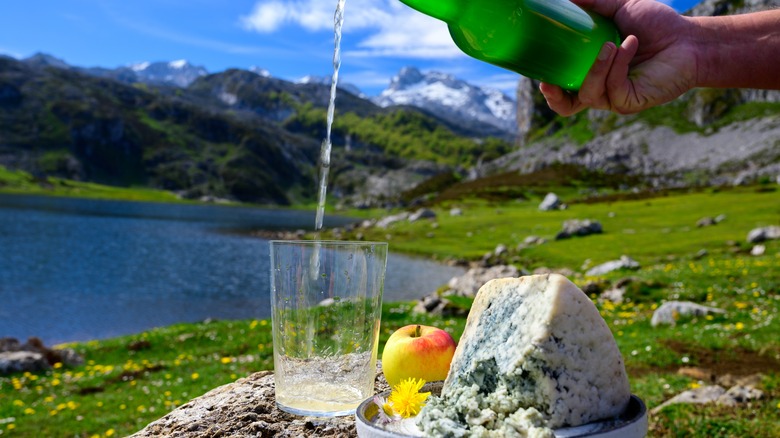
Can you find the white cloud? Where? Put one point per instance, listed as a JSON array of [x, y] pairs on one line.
[[394, 30]]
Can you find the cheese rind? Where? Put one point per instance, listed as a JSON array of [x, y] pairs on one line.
[[535, 355]]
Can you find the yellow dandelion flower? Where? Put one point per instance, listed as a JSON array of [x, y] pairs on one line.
[[55, 382], [253, 324], [29, 411], [195, 376], [406, 398], [264, 323], [226, 360], [739, 326], [11, 426], [58, 365], [110, 432], [18, 403]]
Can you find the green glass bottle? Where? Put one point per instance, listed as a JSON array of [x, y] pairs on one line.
[[553, 41]]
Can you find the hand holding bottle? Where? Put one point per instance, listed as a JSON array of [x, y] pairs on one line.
[[653, 65], [665, 54]]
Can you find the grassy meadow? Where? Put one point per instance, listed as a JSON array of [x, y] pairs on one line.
[[21, 182], [130, 381]]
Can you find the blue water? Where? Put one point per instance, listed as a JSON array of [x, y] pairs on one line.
[[74, 269]]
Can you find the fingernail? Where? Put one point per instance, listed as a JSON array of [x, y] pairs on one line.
[[605, 52]]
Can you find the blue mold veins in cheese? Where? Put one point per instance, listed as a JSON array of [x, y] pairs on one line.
[[536, 355]]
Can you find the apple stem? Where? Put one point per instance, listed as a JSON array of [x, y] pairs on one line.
[[417, 332]]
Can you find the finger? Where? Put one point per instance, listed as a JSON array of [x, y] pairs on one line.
[[559, 101], [593, 91], [619, 85]]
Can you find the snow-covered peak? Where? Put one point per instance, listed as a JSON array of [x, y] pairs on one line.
[[178, 64], [141, 66], [180, 72], [260, 71], [445, 94]]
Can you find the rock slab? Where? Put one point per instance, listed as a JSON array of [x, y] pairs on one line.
[[247, 408]]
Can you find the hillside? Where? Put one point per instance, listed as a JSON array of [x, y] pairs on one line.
[[235, 135], [250, 137]]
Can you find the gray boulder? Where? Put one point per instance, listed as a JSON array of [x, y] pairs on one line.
[[550, 202], [625, 262], [758, 235], [21, 361], [469, 283], [578, 227], [247, 408], [385, 222], [670, 311], [423, 213]]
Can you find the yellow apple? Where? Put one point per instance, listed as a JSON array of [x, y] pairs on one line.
[[417, 351]]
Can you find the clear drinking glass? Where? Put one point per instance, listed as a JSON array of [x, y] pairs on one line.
[[326, 299]]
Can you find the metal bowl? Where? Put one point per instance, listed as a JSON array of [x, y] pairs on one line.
[[632, 423]]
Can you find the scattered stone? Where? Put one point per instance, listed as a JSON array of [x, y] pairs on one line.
[[758, 250], [469, 283], [706, 222], [729, 380], [33, 356], [566, 272], [531, 241], [739, 394], [456, 212], [534, 240], [615, 295], [247, 407], [736, 395], [435, 305], [386, 221], [22, 361], [625, 262], [700, 395], [720, 218], [423, 213], [577, 227], [670, 311], [701, 254], [550, 202], [500, 250], [759, 235]]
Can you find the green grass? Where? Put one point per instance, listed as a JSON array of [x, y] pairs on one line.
[[20, 182], [121, 389]]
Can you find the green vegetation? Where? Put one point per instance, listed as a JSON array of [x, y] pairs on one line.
[[400, 133], [20, 182], [130, 381]]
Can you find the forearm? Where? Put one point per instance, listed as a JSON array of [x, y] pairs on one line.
[[738, 51]]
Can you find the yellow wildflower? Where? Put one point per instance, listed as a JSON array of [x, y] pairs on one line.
[[195, 376], [406, 398], [110, 432], [226, 360]]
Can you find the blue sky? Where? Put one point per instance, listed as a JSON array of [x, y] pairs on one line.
[[290, 38]]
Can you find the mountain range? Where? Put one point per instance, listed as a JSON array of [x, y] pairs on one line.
[[245, 135]]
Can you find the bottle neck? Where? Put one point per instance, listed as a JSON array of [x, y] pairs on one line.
[[445, 10]]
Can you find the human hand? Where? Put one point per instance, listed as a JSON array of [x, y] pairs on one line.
[[655, 63]]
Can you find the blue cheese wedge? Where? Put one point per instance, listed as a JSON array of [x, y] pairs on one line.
[[536, 355]]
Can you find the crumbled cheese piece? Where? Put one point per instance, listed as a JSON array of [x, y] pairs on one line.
[[535, 356]]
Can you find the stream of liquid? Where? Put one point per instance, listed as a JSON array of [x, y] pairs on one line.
[[326, 145]]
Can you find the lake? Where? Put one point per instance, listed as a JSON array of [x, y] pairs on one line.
[[77, 269]]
